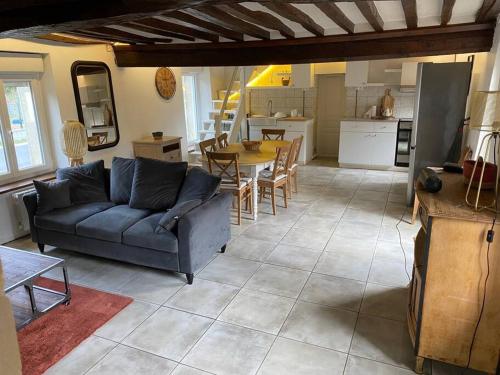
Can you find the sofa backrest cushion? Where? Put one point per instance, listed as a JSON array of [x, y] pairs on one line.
[[51, 195], [156, 183], [87, 182], [122, 176], [198, 184], [172, 216]]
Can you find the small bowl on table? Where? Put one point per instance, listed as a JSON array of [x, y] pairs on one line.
[[489, 176], [157, 135], [251, 145]]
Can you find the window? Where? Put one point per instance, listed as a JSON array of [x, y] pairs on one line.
[[190, 90], [23, 152]]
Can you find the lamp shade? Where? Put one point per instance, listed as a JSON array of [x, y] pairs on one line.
[[485, 110]]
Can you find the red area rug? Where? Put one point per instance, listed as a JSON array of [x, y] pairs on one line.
[[49, 338]]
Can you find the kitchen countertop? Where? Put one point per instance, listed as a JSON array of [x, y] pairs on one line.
[[360, 119], [297, 118]]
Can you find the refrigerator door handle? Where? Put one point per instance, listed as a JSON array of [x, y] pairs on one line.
[[413, 147]]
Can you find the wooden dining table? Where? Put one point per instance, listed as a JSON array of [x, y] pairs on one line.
[[252, 162]]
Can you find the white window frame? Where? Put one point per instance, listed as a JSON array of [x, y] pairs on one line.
[[197, 107], [14, 173]]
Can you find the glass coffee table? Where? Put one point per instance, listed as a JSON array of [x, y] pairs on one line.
[[21, 269]]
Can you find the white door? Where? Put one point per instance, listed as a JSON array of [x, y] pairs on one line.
[[356, 148], [383, 150], [331, 105]]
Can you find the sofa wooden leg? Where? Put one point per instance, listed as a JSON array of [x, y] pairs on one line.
[[41, 247], [189, 277], [223, 249]]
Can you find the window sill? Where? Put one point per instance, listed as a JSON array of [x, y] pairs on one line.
[[24, 183]]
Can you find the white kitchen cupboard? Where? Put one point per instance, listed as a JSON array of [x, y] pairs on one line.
[[303, 76], [356, 73], [367, 144], [409, 76]]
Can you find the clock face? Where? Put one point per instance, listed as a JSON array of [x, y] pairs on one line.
[[165, 83]]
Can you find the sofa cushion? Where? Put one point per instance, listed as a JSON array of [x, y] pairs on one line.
[[143, 234], [51, 195], [110, 224], [65, 219], [156, 183], [122, 176], [198, 184], [169, 220], [87, 182]]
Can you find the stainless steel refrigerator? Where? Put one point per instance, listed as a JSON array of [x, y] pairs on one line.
[[440, 100]]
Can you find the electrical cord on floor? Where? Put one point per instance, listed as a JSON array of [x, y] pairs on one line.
[[401, 244]]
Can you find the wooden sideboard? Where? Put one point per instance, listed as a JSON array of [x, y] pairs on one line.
[[449, 273], [166, 148]]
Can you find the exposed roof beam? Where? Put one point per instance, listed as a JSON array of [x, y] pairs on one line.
[[150, 30], [156, 23], [370, 12], [63, 38], [410, 10], [489, 10], [259, 18], [446, 11], [226, 20], [337, 16], [105, 31], [294, 14], [100, 38], [425, 41], [206, 26]]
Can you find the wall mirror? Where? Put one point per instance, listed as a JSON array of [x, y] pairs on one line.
[[95, 103]]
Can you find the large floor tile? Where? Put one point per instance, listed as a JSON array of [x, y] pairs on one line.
[[353, 229], [107, 275], [347, 264], [257, 310], [389, 272], [370, 195], [385, 302], [203, 297], [83, 357], [266, 232], [352, 245], [186, 370], [316, 223], [320, 325], [169, 333], [250, 248], [333, 291], [282, 281], [230, 350], [383, 340], [362, 366], [123, 323], [229, 270], [124, 360], [312, 239], [369, 217], [296, 358], [294, 257]]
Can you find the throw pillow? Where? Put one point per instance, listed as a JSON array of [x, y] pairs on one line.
[[122, 176], [172, 216], [87, 182], [198, 184], [156, 183], [51, 195]]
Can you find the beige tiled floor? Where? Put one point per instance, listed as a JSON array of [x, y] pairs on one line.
[[319, 289]]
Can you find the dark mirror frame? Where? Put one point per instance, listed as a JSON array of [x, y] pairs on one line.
[[76, 90]]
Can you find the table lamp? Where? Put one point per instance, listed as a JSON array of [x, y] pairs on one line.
[[485, 116], [74, 141]]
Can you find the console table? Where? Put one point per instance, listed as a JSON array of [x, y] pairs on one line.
[[449, 272], [166, 148]]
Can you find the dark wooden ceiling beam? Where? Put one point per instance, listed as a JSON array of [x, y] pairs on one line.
[[488, 11], [62, 38], [105, 31], [446, 11], [336, 15], [410, 11], [202, 25], [156, 23], [226, 20], [167, 34], [370, 12], [295, 14], [259, 18], [104, 39], [424, 41]]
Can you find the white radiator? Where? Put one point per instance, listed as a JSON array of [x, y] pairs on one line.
[[21, 215]]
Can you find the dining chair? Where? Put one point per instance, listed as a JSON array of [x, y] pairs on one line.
[[208, 145], [226, 166], [277, 178], [293, 170], [273, 134], [222, 140]]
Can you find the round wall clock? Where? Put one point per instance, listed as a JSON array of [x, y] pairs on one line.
[[165, 83]]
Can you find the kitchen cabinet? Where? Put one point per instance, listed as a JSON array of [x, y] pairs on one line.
[[367, 144], [356, 74], [303, 76], [409, 76]]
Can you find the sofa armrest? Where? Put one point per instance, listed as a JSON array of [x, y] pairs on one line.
[[203, 231], [31, 203]]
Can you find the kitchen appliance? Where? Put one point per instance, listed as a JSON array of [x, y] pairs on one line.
[[439, 111], [403, 141]]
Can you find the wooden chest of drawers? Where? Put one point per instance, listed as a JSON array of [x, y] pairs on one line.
[[167, 148]]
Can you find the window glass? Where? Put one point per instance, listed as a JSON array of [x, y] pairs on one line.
[[190, 107], [3, 160]]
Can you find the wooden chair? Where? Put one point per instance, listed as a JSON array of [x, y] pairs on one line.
[[208, 145], [292, 171], [222, 140], [277, 178], [273, 134], [226, 165]]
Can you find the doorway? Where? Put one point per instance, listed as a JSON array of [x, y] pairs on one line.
[[331, 109]]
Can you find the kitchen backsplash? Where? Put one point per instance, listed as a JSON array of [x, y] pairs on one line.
[[284, 100], [370, 96]]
